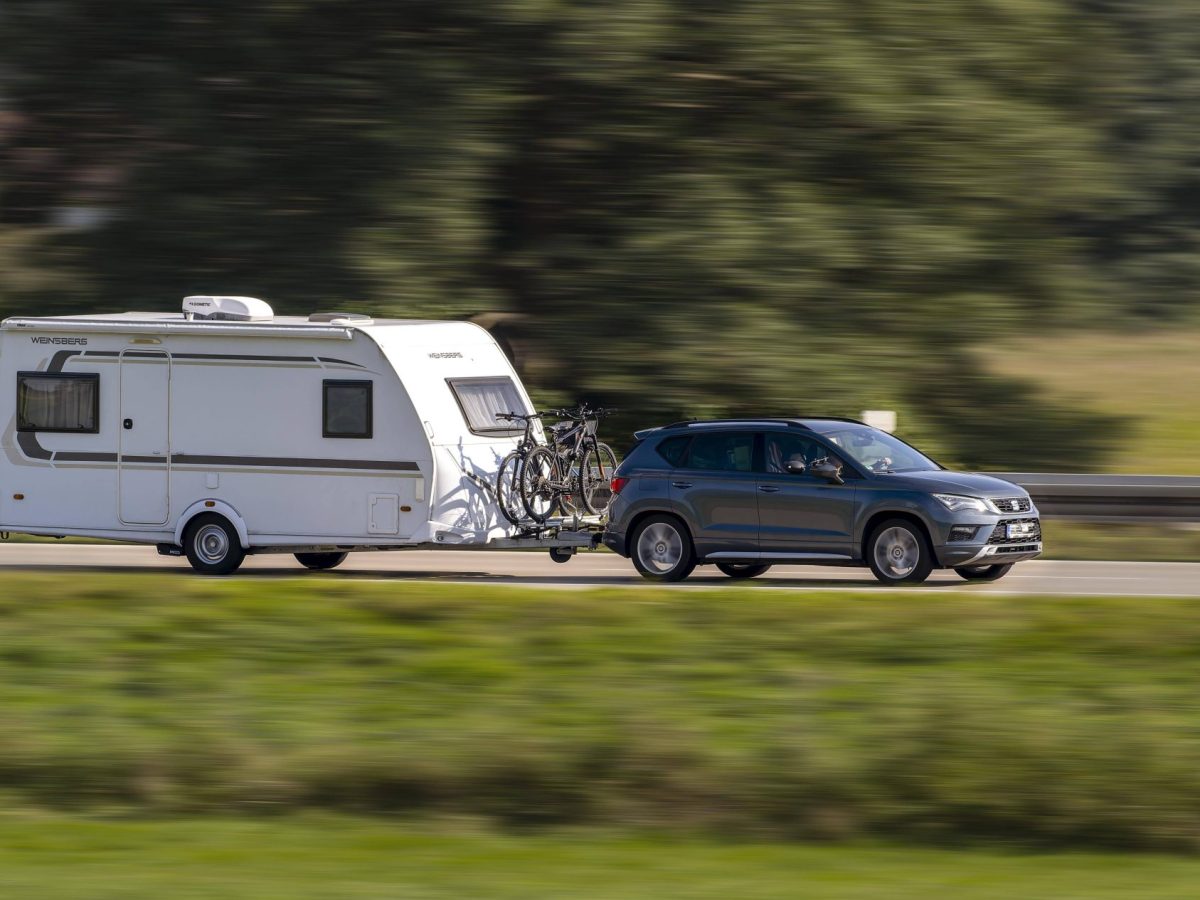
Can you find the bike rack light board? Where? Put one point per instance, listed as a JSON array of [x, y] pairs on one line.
[[328, 433]]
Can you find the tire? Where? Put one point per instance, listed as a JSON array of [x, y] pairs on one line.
[[662, 549], [742, 570], [538, 494], [320, 561], [562, 554], [899, 553], [212, 546], [984, 573], [599, 463], [508, 488]]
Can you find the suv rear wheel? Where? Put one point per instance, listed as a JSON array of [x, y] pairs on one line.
[[898, 553], [742, 570], [662, 549]]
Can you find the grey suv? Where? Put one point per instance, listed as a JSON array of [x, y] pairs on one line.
[[749, 493]]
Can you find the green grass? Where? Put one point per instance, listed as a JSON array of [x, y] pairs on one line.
[[319, 857], [1143, 543], [1150, 380], [923, 717]]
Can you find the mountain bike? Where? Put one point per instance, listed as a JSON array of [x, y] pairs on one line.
[[508, 478], [571, 472]]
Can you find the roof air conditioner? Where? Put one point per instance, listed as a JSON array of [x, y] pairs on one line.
[[227, 309]]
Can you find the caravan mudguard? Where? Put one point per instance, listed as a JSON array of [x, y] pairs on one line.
[[213, 506]]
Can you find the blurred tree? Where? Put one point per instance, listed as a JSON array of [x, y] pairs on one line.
[[697, 206]]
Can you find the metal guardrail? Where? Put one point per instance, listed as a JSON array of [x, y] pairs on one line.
[[1112, 498]]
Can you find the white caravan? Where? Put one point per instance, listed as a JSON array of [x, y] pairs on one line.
[[225, 430]]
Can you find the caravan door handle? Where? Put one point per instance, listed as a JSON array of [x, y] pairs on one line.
[[681, 484]]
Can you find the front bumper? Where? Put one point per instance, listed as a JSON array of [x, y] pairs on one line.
[[991, 545], [989, 554]]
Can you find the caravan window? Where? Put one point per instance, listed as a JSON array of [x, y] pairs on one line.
[[480, 399], [54, 401], [346, 409]]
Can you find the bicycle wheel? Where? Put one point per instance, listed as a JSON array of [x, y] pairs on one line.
[[599, 463], [508, 488], [539, 493]]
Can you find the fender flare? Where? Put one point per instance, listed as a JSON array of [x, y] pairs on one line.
[[215, 506]]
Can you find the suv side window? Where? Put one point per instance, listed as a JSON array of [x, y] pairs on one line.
[[782, 447], [722, 452], [672, 449]]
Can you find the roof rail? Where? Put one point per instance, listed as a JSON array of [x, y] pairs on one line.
[[787, 421], [735, 420], [839, 419]]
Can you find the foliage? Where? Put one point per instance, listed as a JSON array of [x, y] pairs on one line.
[[927, 717], [702, 207]]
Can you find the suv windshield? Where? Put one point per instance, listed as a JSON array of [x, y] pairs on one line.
[[878, 451]]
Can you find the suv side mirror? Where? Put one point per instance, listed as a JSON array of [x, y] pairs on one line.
[[796, 466], [827, 469]]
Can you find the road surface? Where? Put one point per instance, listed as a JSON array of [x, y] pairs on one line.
[[535, 569]]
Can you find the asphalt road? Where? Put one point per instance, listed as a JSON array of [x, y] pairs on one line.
[[598, 569]]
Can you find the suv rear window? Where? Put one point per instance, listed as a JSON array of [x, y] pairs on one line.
[[722, 452], [673, 447]]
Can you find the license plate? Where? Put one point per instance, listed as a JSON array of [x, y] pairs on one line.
[[1021, 529]]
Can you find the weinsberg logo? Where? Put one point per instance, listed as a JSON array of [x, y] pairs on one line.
[[40, 339]]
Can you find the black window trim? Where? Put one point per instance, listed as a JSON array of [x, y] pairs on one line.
[[326, 384], [93, 377], [499, 430]]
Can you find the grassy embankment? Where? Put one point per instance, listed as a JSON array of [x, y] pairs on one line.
[[904, 716], [311, 857], [166, 736]]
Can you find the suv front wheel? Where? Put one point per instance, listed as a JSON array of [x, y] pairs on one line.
[[662, 549], [898, 553], [983, 573]]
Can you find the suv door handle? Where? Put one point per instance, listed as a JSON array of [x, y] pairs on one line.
[[681, 484], [768, 489]]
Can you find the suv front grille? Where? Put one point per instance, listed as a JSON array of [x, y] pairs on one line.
[[1012, 504], [1000, 532]]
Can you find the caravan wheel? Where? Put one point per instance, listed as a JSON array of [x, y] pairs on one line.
[[320, 561], [212, 545]]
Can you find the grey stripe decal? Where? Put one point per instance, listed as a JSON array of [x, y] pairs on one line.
[[186, 459], [283, 462], [60, 358], [74, 456], [28, 442]]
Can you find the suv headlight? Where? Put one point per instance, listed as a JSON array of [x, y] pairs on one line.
[[955, 503]]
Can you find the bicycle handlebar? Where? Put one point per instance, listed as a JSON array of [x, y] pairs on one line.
[[581, 412]]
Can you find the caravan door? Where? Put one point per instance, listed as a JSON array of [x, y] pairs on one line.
[[144, 461]]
